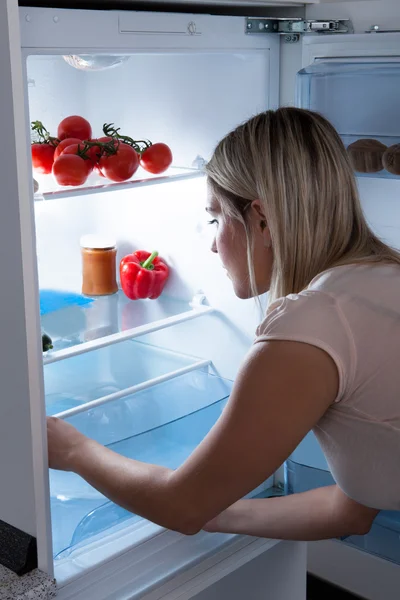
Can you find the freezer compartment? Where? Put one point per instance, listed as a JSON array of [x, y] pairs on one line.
[[360, 99], [384, 538], [76, 329], [99, 374], [160, 425]]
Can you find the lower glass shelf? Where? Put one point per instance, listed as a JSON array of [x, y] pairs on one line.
[[78, 380], [77, 324], [381, 541], [161, 425]]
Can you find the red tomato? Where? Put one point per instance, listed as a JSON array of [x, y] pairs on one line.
[[74, 127], [121, 165], [74, 149], [157, 158], [42, 157], [70, 169], [64, 144]]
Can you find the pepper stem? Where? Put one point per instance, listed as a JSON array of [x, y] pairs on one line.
[[149, 261]]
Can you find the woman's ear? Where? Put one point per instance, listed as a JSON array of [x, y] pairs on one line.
[[261, 222]]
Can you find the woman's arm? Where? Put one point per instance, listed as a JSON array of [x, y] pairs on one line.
[[281, 392], [319, 514]]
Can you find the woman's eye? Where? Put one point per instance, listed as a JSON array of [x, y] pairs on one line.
[[213, 222]]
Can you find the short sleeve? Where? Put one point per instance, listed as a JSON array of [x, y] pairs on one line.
[[313, 317]]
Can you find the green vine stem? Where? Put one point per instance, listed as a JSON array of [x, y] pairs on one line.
[[110, 131], [105, 148], [43, 135]]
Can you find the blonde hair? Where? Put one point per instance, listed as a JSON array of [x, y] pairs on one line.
[[295, 163]]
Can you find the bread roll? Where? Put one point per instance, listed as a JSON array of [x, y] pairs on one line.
[[366, 156], [391, 159]]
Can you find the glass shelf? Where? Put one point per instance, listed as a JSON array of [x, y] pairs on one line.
[[81, 379], [106, 320], [161, 425], [95, 184]]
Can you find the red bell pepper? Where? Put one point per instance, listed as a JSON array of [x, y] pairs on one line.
[[143, 275]]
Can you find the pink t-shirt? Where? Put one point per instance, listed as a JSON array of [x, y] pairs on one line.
[[353, 313]]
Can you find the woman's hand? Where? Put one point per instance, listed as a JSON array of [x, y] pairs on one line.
[[65, 444]]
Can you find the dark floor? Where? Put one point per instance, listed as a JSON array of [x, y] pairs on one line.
[[320, 590]]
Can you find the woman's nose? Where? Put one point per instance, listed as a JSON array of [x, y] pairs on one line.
[[214, 247]]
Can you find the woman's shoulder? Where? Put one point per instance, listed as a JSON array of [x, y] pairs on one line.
[[348, 293], [356, 277]]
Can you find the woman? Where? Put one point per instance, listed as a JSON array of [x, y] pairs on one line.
[[288, 217]]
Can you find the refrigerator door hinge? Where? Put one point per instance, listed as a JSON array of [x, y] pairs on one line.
[[292, 29]]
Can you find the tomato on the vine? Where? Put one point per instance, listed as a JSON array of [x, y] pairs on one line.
[[95, 152], [157, 158], [121, 165], [77, 149], [43, 157], [74, 127], [70, 169], [64, 144]]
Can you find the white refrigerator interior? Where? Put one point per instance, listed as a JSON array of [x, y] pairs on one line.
[[147, 378], [150, 378]]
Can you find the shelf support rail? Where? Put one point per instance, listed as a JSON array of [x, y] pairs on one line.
[[129, 334], [134, 389]]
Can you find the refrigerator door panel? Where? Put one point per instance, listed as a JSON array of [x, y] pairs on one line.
[[357, 97], [354, 81], [24, 502]]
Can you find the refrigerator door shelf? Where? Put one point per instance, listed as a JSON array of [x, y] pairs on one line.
[[382, 540], [108, 320], [387, 141], [161, 425], [50, 190], [357, 96], [73, 383]]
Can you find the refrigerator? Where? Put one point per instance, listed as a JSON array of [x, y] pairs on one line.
[[150, 378]]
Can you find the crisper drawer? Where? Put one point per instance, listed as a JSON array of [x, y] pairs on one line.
[[162, 425], [360, 98]]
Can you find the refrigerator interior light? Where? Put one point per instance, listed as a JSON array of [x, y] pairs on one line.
[[98, 62]]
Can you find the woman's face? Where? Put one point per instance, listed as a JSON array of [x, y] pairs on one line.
[[230, 243]]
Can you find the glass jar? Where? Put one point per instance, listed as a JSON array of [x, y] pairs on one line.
[[99, 276]]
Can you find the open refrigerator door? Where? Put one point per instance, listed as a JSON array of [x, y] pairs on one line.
[[354, 81]]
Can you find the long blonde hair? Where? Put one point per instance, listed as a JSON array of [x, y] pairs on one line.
[[295, 163]]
